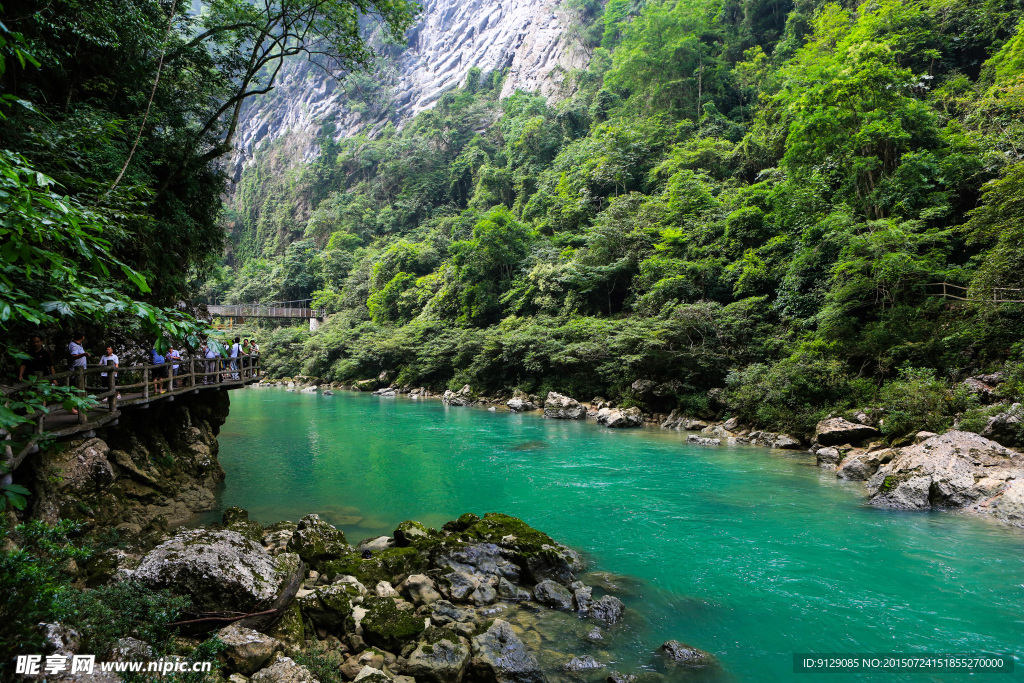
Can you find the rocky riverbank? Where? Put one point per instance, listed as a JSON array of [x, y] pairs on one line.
[[488, 600], [153, 470], [958, 470]]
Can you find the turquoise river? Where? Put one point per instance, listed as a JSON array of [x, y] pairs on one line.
[[748, 553]]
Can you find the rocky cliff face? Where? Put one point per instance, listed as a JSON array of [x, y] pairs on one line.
[[156, 468], [452, 37]]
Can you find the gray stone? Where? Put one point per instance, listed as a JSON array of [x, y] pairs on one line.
[[617, 418], [835, 431], [859, 465], [584, 663], [499, 656], [420, 589], [316, 541], [247, 650], [703, 440], [444, 613], [683, 655], [284, 670], [1005, 428], [953, 470], [584, 596], [519, 405], [222, 571], [827, 457], [553, 595], [441, 657], [559, 407], [608, 609]]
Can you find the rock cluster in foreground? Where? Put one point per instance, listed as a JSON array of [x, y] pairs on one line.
[[471, 602]]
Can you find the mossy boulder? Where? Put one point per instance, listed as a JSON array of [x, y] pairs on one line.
[[440, 656], [289, 630], [391, 565], [537, 554], [316, 541], [408, 533], [328, 607], [236, 519], [388, 627]]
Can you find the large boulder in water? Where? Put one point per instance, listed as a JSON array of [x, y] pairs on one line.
[[499, 656], [952, 470], [559, 407], [836, 431], [223, 571], [620, 417]]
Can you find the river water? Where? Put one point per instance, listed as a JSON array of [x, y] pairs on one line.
[[748, 553]]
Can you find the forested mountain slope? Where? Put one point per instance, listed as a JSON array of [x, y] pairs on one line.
[[746, 195]]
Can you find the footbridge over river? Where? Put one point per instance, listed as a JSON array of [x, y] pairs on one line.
[[300, 309]]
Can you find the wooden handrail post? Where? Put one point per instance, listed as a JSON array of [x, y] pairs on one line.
[[83, 414], [111, 386], [192, 372], [220, 367], [145, 382]]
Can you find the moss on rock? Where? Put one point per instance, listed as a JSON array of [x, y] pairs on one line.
[[388, 627], [391, 565]]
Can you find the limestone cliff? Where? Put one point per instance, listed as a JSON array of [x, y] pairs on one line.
[[155, 468], [452, 37]]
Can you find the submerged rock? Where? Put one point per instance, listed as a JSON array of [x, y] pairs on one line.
[[608, 609], [553, 595], [559, 407], [703, 440], [584, 663], [683, 655]]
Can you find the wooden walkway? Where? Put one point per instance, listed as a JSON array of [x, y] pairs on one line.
[[126, 388]]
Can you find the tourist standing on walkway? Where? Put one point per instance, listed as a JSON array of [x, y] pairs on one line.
[[211, 363], [107, 357], [236, 349], [39, 363], [246, 350], [173, 355], [159, 373], [77, 357]]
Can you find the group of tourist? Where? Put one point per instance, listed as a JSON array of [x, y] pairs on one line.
[[39, 361]]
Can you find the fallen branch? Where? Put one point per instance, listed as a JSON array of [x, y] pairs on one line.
[[225, 619]]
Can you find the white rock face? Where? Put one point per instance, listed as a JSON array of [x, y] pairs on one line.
[[452, 37]]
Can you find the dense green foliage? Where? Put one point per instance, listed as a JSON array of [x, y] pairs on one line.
[[746, 195]]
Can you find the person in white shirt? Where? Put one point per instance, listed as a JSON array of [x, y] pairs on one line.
[[109, 355], [173, 355], [236, 349], [211, 363]]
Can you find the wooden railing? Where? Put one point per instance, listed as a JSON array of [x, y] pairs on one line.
[[961, 293], [282, 309], [127, 386]]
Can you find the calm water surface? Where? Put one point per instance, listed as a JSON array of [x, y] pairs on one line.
[[748, 553]]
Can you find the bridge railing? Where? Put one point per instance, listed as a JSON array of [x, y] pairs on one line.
[[135, 384], [277, 309]]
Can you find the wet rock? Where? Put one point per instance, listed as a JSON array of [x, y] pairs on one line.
[[835, 431], [616, 418], [485, 594], [703, 440], [952, 470], [499, 656], [388, 627], [828, 457], [595, 634], [859, 465], [608, 609], [584, 596], [584, 663], [420, 589], [553, 595], [445, 613], [616, 677], [459, 586], [284, 670], [222, 571], [316, 541], [454, 398], [683, 655], [559, 407], [441, 656], [246, 650]]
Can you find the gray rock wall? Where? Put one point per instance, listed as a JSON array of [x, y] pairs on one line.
[[452, 37]]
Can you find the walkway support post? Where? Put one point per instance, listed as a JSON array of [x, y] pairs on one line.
[[111, 387], [83, 414]]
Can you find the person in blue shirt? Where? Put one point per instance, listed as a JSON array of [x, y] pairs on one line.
[[236, 351], [159, 373]]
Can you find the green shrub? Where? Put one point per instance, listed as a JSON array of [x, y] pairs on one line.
[[917, 400]]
